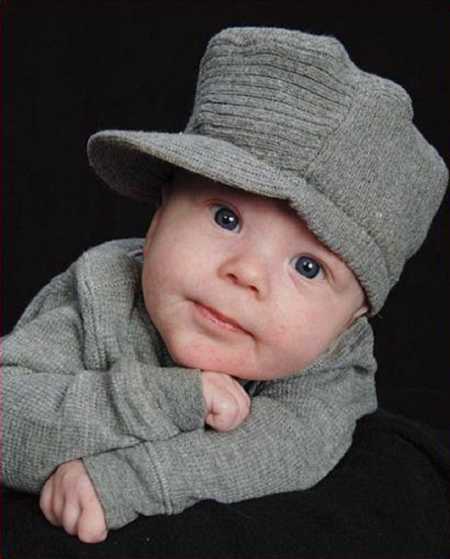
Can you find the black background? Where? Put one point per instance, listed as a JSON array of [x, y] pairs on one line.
[[72, 68]]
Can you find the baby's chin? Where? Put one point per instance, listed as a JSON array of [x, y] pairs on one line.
[[238, 368], [212, 361]]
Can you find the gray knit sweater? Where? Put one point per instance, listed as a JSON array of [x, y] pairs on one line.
[[86, 375]]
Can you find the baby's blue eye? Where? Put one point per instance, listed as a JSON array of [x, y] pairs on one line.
[[226, 218], [307, 267]]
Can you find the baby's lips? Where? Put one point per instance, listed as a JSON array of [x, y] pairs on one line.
[[222, 317]]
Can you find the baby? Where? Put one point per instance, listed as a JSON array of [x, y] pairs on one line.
[[227, 356]]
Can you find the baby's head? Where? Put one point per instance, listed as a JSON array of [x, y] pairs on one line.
[[235, 282], [323, 166]]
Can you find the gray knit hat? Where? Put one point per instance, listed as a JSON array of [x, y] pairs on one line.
[[288, 115]]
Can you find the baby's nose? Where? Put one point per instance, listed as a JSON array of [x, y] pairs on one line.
[[247, 271]]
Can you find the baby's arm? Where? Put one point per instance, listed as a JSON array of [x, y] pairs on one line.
[[53, 415], [69, 498], [50, 417], [56, 409]]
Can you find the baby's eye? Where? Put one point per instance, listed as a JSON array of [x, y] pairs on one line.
[[226, 218], [307, 267]]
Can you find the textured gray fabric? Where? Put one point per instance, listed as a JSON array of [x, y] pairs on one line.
[[85, 374], [288, 115]]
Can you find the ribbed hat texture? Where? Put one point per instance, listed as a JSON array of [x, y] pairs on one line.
[[287, 114]]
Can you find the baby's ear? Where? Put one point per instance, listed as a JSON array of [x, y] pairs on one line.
[[151, 229], [166, 191], [361, 311]]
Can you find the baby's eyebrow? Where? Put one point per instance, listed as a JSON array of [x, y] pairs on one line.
[[339, 269], [333, 261], [332, 258], [341, 264]]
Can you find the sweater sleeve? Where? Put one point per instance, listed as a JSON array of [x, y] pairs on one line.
[[56, 409], [297, 431]]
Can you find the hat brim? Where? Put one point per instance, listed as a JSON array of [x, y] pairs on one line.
[[137, 164]]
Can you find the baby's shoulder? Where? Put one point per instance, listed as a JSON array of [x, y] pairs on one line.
[[118, 248], [109, 271], [108, 279], [102, 278]]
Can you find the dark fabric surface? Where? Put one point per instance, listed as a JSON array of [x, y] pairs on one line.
[[389, 497]]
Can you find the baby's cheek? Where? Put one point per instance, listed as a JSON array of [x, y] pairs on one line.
[[280, 333], [289, 349]]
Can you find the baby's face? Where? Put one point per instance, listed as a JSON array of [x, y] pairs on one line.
[[236, 283]]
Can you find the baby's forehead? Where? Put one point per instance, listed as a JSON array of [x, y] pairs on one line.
[[199, 185], [262, 208]]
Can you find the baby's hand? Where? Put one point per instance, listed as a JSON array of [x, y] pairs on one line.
[[228, 404], [68, 499]]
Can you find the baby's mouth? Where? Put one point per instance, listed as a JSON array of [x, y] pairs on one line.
[[219, 318]]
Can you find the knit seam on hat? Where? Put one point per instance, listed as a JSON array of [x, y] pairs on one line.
[[359, 93]]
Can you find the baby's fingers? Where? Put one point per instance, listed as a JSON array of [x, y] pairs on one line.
[[70, 517], [91, 524], [230, 407], [59, 509], [46, 502], [242, 404]]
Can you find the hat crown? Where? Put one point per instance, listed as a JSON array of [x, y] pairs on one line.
[[278, 93], [270, 96]]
